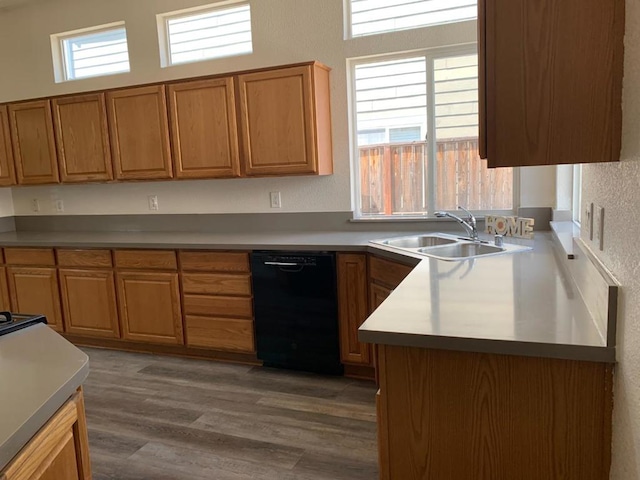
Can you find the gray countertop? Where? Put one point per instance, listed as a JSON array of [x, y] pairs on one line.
[[39, 371]]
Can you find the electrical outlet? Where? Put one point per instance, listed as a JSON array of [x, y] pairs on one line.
[[153, 203], [58, 205], [35, 205], [600, 227], [276, 200]]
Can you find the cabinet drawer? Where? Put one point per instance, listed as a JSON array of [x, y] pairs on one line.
[[220, 333], [387, 272], [216, 284], [29, 256], [237, 262], [84, 258], [215, 305], [146, 259]]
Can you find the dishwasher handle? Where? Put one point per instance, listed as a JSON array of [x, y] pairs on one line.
[[284, 264]]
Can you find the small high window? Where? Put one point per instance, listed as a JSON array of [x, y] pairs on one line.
[[368, 17], [213, 31], [90, 52]]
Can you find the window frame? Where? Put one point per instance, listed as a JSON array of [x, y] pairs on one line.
[[576, 197], [430, 54], [164, 39], [60, 55]]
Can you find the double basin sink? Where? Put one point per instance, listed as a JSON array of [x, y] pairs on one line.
[[448, 247]]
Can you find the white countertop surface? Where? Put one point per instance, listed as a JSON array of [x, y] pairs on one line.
[[39, 371]]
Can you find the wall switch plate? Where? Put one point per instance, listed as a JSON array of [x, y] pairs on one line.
[[35, 205], [153, 203], [58, 205], [276, 199], [600, 227]]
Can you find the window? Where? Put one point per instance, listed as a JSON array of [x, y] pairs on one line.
[[427, 105], [90, 52], [379, 16], [214, 31]]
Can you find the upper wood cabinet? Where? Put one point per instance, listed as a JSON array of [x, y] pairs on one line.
[[34, 145], [204, 131], [139, 131], [286, 121], [550, 81], [7, 171], [82, 138]]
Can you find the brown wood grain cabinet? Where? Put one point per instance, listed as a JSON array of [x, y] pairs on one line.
[[59, 451], [82, 138], [34, 290], [286, 121], [7, 169], [33, 140], [204, 132], [5, 297], [447, 414], [353, 307], [87, 286], [139, 130], [384, 276], [550, 81]]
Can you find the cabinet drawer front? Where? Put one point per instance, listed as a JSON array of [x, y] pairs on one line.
[[220, 333], [84, 258], [146, 259], [387, 272], [218, 306], [29, 256], [237, 262], [216, 284]]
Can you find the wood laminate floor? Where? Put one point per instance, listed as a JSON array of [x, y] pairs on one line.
[[163, 418]]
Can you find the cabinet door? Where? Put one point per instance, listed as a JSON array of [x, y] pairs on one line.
[[82, 137], [33, 141], [35, 291], [278, 120], [7, 170], [552, 81], [377, 295], [352, 307], [89, 302], [150, 307], [139, 133], [5, 298], [204, 132]]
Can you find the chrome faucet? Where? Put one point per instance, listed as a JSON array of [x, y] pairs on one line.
[[469, 224]]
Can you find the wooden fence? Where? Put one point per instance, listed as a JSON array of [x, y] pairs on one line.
[[395, 179]]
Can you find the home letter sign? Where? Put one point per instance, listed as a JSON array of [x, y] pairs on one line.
[[509, 226]]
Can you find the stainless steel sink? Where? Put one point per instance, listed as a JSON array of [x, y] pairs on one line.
[[419, 241], [463, 250]]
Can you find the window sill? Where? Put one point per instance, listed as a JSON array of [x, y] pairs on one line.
[[565, 232]]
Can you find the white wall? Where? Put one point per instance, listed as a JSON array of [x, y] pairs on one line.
[[616, 187], [284, 31]]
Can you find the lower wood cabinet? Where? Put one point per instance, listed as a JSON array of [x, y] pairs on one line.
[[59, 451], [89, 303], [150, 307], [35, 290]]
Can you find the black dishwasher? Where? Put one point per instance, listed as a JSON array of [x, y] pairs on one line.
[[296, 310]]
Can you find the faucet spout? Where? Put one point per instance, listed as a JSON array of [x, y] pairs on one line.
[[469, 224]]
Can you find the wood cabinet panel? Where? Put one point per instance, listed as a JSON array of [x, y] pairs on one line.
[[284, 121], [387, 272], [231, 262], [377, 295], [506, 416], [84, 258], [139, 130], [34, 146], [204, 132], [220, 333], [7, 168], [150, 307], [352, 307], [82, 137], [29, 256], [552, 81], [35, 291], [146, 259], [210, 305], [216, 284], [89, 302], [5, 298]]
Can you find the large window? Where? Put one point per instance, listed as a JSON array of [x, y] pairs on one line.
[[369, 17], [416, 119], [90, 52], [213, 31]]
